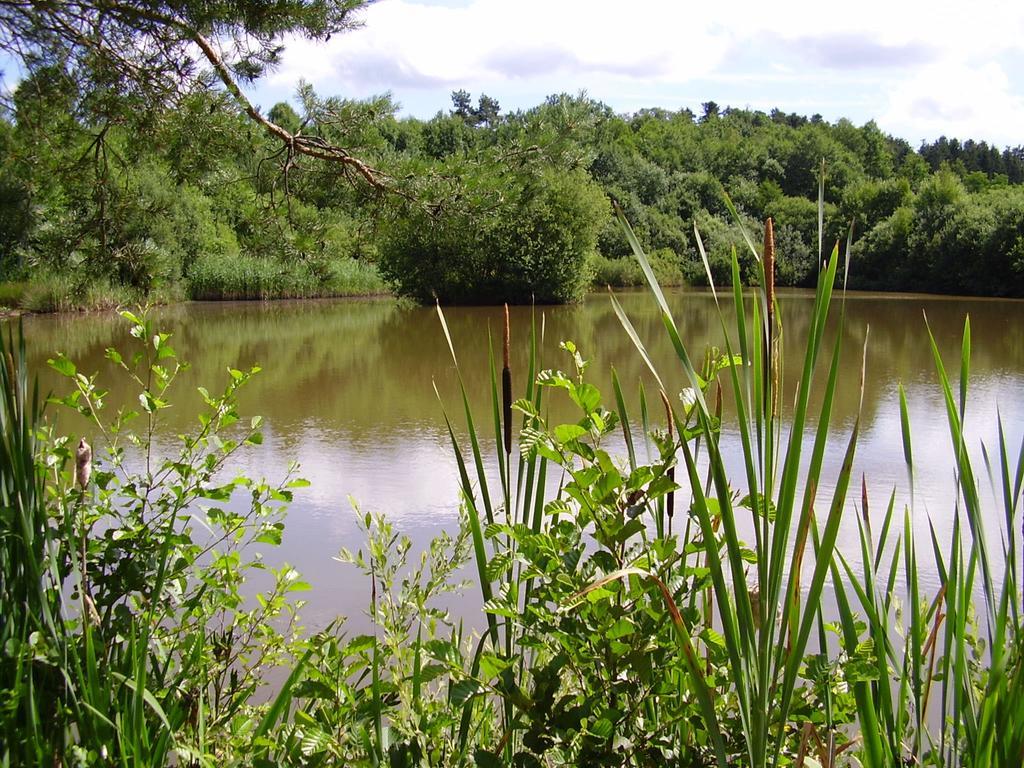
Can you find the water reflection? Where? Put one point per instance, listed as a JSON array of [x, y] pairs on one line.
[[346, 390]]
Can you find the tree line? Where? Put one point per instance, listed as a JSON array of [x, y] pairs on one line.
[[476, 205]]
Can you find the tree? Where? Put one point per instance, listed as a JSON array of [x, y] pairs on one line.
[[462, 103], [485, 113], [710, 111], [285, 115], [487, 110], [135, 56], [518, 229]]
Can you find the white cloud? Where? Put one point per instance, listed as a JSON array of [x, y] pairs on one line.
[[487, 39], [920, 68], [956, 99]]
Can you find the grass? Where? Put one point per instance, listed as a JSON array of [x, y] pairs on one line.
[[246, 277], [11, 294], [64, 293], [212, 277]]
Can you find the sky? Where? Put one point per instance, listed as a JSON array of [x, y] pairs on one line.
[[919, 69]]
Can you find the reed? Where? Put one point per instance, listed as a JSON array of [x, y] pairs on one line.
[[746, 647]]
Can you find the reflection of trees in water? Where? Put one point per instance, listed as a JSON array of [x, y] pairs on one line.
[[367, 366]]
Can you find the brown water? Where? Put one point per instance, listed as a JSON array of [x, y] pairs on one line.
[[346, 391]]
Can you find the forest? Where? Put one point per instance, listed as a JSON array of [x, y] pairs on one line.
[[117, 190]]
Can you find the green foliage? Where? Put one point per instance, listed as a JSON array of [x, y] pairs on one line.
[[512, 234], [486, 206], [617, 633], [125, 634], [652, 607], [625, 272], [124, 57]]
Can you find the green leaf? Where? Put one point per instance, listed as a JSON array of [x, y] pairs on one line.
[[463, 691], [525, 406], [565, 433], [602, 728], [492, 665], [712, 638], [621, 628], [271, 535], [586, 396], [63, 366]]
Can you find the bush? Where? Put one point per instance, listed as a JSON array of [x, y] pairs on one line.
[[121, 616], [506, 235], [626, 273]]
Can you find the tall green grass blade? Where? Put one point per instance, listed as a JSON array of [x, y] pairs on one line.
[[635, 338], [499, 432], [474, 442], [821, 214], [627, 432], [908, 451], [743, 230], [645, 265], [967, 483], [473, 517]]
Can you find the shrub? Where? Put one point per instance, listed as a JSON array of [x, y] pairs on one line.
[[626, 273], [511, 235], [124, 638]]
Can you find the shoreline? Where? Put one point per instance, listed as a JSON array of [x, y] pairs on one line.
[[8, 313]]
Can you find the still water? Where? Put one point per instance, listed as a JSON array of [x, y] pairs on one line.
[[347, 391]]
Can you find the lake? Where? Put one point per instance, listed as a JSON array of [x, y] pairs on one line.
[[347, 391]]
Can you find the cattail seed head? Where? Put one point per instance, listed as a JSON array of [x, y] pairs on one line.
[[769, 261], [505, 345], [668, 411], [83, 463], [506, 388]]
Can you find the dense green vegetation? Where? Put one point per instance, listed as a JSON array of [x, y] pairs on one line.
[[194, 202], [133, 165], [111, 191], [614, 632]]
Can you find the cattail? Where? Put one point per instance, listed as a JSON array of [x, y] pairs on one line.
[[671, 503], [769, 292], [864, 501], [506, 387], [12, 377], [83, 464], [769, 261]]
